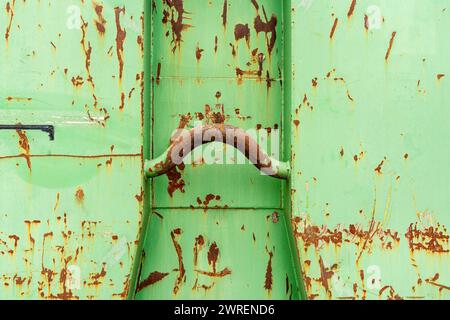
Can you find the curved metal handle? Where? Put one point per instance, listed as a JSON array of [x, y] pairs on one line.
[[187, 141]]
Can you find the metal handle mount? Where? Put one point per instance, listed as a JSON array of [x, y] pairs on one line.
[[44, 128], [187, 141]]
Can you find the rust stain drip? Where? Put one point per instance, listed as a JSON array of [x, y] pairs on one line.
[[213, 255], [205, 203], [269, 276], [120, 39], [24, 146], [379, 167], [391, 43], [181, 271], [100, 21], [351, 10], [176, 21], [199, 242], [225, 13], [325, 275], [269, 26], [366, 22], [153, 278], [431, 239], [122, 101], [158, 73], [10, 12], [79, 195], [87, 49], [333, 29], [198, 53]]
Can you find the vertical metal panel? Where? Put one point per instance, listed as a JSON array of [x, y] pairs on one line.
[[369, 143], [70, 209]]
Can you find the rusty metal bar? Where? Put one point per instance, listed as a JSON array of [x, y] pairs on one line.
[[187, 141]]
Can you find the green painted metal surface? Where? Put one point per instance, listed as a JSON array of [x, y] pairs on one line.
[[70, 208], [350, 96]]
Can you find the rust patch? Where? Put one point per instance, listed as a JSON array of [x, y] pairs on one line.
[[317, 236], [120, 39], [153, 278], [213, 255], [198, 53], [431, 239], [100, 22], [242, 31], [175, 12], [267, 26], [77, 81], [79, 195], [440, 76], [391, 43]]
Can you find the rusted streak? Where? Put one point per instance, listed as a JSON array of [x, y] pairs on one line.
[[351, 9], [333, 29], [181, 271], [225, 13], [10, 11], [269, 276], [153, 278], [25, 146], [120, 39], [391, 43], [199, 242]]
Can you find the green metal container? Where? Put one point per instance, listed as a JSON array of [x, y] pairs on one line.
[[224, 149]]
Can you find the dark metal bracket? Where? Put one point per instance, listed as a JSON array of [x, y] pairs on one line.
[[44, 128]]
